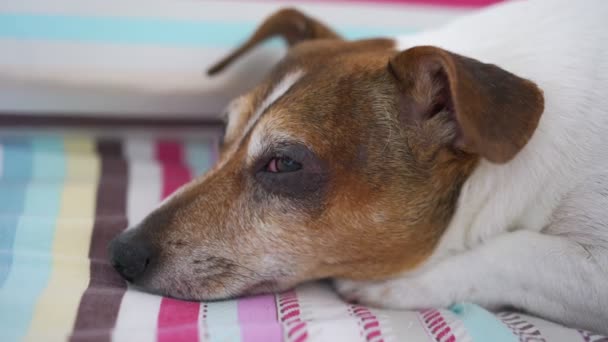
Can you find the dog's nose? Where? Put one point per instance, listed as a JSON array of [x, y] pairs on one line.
[[129, 256]]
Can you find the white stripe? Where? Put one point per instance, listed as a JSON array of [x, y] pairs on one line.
[[121, 57], [222, 322], [145, 179], [355, 14], [326, 315], [139, 149], [168, 81], [147, 192], [138, 314], [134, 66], [115, 101], [203, 335], [137, 318]]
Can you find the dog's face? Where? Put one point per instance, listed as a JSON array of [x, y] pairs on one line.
[[347, 161]]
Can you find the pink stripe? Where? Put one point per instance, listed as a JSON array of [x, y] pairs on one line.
[[429, 318], [443, 333], [447, 3], [437, 320], [302, 337], [430, 313], [373, 335], [289, 307], [372, 329], [373, 324], [289, 301], [170, 152], [436, 329], [258, 319], [290, 315], [296, 328], [177, 320], [360, 310], [425, 311]]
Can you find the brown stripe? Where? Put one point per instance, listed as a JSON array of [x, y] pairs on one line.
[[101, 120], [100, 302]]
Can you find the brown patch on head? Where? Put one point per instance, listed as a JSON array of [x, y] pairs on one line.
[[382, 142], [496, 111]]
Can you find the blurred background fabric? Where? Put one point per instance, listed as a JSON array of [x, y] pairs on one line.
[[148, 58]]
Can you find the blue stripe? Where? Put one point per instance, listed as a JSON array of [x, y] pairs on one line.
[[34, 238], [199, 156], [482, 325], [149, 31], [17, 163]]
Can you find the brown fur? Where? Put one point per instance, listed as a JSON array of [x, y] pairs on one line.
[[292, 25], [393, 144], [496, 111]]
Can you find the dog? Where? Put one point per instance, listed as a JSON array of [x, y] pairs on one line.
[[466, 163]]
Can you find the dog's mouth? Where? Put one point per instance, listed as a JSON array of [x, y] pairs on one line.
[[211, 289], [194, 276], [261, 287]]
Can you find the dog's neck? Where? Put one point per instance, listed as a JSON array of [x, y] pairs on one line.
[[524, 192]]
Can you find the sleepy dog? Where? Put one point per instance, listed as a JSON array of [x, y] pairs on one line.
[[468, 163]]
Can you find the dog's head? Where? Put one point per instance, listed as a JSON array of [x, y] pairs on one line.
[[347, 161]]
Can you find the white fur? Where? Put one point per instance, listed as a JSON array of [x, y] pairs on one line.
[[532, 233], [263, 137], [236, 109], [277, 92], [232, 114], [257, 140]]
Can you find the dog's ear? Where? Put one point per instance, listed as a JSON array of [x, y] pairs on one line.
[[290, 24], [493, 113]]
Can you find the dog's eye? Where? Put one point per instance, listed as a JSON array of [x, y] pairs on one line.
[[291, 170], [283, 164]]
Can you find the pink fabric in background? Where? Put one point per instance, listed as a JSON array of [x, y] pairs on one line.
[[453, 3]]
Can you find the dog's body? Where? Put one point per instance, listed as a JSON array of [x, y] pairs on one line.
[[535, 230], [486, 201]]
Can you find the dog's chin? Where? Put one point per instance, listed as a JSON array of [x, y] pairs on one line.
[[190, 293], [262, 287]]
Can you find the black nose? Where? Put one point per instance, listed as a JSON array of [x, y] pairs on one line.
[[129, 256]]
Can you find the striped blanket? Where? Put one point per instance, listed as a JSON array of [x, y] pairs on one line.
[[63, 197]]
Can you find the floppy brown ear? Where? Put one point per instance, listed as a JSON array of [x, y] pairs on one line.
[[290, 24], [495, 112]]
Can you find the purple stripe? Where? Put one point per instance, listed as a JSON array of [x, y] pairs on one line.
[[258, 319], [100, 303]]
